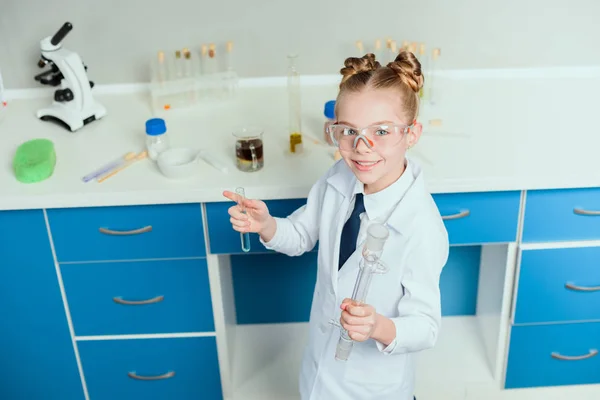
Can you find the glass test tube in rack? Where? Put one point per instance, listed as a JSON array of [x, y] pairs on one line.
[[189, 77]]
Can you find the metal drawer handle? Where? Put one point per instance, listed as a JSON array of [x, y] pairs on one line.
[[591, 354], [124, 233], [581, 211], [459, 215], [156, 299], [582, 288], [168, 375]]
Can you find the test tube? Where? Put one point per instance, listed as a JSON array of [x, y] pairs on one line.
[[244, 236], [360, 47], [388, 49], [228, 57], [433, 67], [229, 79], [212, 59], [370, 264], [424, 68], [187, 62], [392, 51], [178, 67], [203, 54], [378, 50], [161, 69]]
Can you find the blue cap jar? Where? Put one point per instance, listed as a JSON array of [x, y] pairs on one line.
[[155, 126], [329, 110], [156, 140]]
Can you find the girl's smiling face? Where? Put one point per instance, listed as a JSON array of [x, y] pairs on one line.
[[380, 166]]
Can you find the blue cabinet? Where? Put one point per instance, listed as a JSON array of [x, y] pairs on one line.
[[559, 285], [562, 215], [127, 232], [272, 288], [224, 240], [152, 369], [139, 297], [37, 356], [553, 355], [479, 218]]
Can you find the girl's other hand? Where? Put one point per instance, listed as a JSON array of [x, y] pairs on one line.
[[359, 320], [256, 219]]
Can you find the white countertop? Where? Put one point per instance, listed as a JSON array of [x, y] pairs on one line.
[[511, 130]]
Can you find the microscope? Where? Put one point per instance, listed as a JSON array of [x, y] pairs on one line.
[[73, 105]]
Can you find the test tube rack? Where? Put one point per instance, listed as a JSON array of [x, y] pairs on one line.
[[386, 52], [182, 79]]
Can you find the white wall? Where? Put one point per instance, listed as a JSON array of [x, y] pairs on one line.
[[116, 38]]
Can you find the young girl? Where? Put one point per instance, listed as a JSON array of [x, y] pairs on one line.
[[376, 123]]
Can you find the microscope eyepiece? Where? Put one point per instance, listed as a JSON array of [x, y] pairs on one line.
[[62, 32]]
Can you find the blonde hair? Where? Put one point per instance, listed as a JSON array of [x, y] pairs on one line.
[[403, 75]]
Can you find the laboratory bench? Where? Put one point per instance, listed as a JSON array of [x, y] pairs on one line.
[[138, 287]]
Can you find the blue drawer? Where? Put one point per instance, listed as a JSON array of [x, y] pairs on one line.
[[182, 369], [559, 285], [127, 232], [224, 240], [562, 215], [470, 218], [553, 355], [104, 298]]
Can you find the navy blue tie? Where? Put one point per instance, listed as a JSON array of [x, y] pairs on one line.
[[350, 231]]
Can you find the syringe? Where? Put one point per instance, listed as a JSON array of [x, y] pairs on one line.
[[370, 264], [244, 236]]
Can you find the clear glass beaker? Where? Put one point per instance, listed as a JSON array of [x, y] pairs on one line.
[[249, 153]]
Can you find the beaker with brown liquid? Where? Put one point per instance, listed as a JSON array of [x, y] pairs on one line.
[[249, 152]]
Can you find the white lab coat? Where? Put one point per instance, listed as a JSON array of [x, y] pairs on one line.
[[415, 252]]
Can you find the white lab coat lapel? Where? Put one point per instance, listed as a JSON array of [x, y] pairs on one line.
[[344, 183], [399, 220]]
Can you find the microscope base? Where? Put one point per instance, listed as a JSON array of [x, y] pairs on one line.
[[69, 118]]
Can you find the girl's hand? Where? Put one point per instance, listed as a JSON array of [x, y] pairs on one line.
[[359, 320], [256, 219]]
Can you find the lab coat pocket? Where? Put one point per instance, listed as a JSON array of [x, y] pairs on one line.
[[367, 365]]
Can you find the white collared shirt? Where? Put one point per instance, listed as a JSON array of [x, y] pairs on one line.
[[380, 205]]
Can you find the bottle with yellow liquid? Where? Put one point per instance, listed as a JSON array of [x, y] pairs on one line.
[[293, 87]]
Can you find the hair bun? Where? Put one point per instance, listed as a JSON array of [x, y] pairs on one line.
[[408, 69], [354, 66]]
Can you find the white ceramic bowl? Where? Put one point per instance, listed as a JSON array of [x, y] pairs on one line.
[[178, 163]]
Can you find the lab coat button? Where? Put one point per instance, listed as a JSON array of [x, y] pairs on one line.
[[323, 328]]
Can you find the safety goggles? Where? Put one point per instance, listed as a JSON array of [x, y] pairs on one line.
[[375, 136]]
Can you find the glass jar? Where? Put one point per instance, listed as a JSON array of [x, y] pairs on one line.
[[157, 140], [329, 112]]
